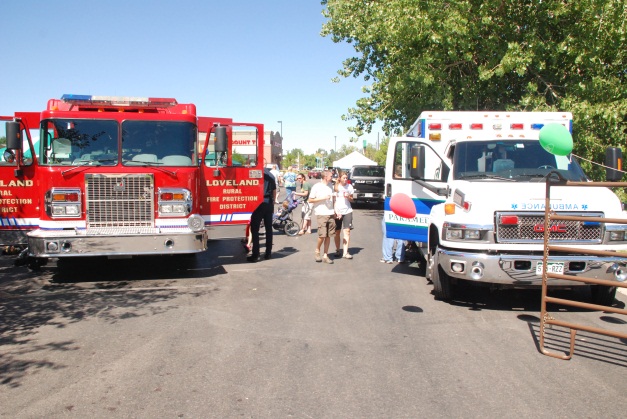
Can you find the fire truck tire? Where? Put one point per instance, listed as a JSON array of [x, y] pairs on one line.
[[603, 295], [36, 263], [291, 228], [185, 260], [441, 281]]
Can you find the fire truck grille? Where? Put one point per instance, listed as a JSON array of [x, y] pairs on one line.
[[530, 229], [118, 201]]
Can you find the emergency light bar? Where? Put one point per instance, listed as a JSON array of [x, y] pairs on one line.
[[479, 126], [118, 100]]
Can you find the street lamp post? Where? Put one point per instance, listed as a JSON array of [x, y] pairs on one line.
[[281, 122], [335, 146]]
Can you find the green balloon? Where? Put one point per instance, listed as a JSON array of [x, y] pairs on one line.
[[556, 139]]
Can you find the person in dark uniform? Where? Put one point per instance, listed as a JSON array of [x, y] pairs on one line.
[[263, 212]]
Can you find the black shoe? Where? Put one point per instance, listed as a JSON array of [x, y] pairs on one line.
[[253, 259], [268, 256]]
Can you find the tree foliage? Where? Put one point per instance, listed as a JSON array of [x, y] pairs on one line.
[[324, 158], [514, 55]]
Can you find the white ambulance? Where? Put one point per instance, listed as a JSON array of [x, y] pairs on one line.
[[477, 181]]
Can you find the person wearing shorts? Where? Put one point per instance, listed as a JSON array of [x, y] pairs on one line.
[[322, 197], [344, 215], [305, 188]]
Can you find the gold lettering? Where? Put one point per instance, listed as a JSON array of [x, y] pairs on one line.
[[232, 206], [16, 183], [229, 182], [239, 198]]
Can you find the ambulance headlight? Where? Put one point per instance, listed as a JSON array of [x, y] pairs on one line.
[[454, 234], [472, 234], [457, 232]]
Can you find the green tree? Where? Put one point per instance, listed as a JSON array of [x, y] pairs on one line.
[[294, 157], [381, 153], [488, 55]]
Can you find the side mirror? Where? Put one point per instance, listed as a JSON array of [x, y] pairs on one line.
[[8, 156], [221, 144], [14, 136], [614, 163], [417, 163]]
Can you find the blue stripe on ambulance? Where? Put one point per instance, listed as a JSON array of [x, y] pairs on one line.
[[405, 231]]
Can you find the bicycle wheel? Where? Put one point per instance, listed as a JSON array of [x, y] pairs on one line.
[[291, 228]]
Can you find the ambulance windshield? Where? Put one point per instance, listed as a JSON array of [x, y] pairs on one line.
[[520, 160]]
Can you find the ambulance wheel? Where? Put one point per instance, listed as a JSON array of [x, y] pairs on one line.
[[291, 228], [603, 295], [441, 281]]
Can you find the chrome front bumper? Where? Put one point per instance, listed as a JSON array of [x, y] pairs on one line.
[[67, 243], [519, 271], [368, 196]]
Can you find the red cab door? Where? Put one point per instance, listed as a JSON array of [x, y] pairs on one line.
[[231, 184], [19, 193]]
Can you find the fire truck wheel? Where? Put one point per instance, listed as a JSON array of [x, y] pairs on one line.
[[441, 281], [603, 295], [184, 261], [36, 263], [291, 228]]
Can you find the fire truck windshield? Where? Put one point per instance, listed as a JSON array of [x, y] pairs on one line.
[[81, 142], [521, 160], [77, 142], [163, 143]]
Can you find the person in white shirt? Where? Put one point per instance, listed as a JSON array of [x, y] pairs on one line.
[[322, 197], [275, 172], [344, 215]]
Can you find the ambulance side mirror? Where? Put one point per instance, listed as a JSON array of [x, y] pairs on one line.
[[417, 162], [14, 137], [221, 144], [614, 163]]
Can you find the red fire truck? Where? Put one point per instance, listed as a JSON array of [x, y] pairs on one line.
[[124, 176]]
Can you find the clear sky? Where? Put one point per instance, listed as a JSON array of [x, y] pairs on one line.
[[250, 60]]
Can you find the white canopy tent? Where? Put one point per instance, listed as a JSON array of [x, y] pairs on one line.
[[355, 158]]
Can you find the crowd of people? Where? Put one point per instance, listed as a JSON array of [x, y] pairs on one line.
[[329, 200]]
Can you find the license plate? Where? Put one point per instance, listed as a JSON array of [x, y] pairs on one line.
[[368, 195], [552, 268]]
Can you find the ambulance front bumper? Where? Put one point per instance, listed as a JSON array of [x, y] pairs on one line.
[[522, 270], [67, 243]]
